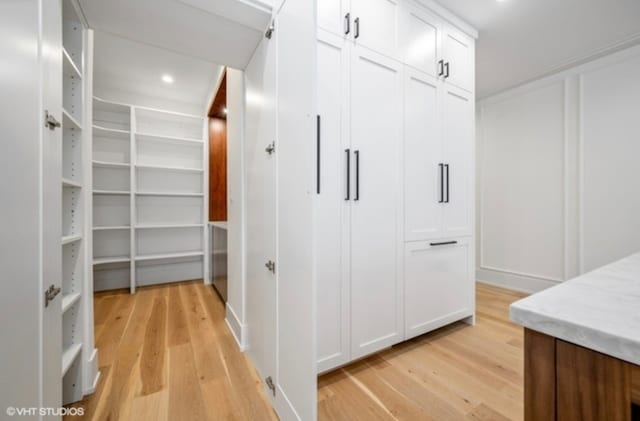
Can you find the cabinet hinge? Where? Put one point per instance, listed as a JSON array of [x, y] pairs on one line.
[[270, 385], [269, 32], [50, 294], [50, 121], [271, 148], [271, 265]]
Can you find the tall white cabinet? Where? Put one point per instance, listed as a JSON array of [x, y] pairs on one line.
[[394, 203]]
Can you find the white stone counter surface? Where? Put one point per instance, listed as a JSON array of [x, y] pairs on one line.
[[599, 310]]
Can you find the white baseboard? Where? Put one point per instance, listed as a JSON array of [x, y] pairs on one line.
[[238, 329], [512, 281], [93, 373]]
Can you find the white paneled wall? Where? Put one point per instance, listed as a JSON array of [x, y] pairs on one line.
[[558, 175]]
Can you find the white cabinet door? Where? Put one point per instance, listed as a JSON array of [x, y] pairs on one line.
[[332, 211], [458, 138], [459, 53], [438, 284], [261, 208], [375, 25], [376, 127], [423, 193], [419, 39], [332, 16]]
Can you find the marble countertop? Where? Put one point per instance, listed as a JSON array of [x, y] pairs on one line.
[[599, 310]]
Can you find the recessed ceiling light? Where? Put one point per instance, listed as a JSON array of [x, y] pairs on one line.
[[167, 78]]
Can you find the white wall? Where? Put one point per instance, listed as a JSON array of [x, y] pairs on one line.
[[235, 312], [558, 178]]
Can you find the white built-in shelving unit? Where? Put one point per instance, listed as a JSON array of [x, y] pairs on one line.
[[73, 205], [150, 200]]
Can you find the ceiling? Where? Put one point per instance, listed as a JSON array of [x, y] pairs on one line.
[[131, 72], [221, 31], [522, 40]]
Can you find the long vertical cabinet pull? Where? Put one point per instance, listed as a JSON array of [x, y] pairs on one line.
[[318, 154], [348, 158], [357, 154], [441, 166], [356, 22], [347, 23], [446, 70], [446, 166]]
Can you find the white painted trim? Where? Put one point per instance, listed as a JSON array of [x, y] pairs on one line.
[[523, 274], [580, 174], [238, 329], [565, 174], [285, 409], [513, 281], [450, 17]]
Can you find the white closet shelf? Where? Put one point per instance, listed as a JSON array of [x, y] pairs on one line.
[[110, 106], [164, 138], [106, 164], [68, 357], [69, 300], [168, 168], [105, 131], [112, 192], [107, 260], [71, 238], [155, 226], [70, 183], [168, 255], [115, 227], [69, 121], [69, 68], [176, 194]]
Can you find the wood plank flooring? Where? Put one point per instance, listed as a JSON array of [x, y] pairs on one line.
[[166, 353], [459, 372]]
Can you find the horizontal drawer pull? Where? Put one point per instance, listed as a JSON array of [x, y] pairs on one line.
[[446, 243]]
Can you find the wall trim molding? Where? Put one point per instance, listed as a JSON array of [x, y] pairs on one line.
[[238, 330], [513, 282]]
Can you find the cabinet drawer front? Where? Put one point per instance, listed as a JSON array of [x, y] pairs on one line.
[[438, 284]]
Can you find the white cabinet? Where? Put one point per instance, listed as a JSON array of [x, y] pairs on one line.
[[459, 59], [458, 146], [376, 127], [438, 159], [375, 25], [420, 39], [395, 174], [332, 211], [438, 284], [334, 16]]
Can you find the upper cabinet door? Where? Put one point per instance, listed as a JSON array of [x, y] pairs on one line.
[[459, 54], [423, 200], [458, 138], [332, 16], [375, 25], [419, 39]]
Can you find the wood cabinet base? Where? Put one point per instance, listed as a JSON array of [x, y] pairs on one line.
[[566, 382]]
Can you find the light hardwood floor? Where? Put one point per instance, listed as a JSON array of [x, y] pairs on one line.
[[459, 372], [165, 353]]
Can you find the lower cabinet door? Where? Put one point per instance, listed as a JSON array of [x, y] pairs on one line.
[[439, 284]]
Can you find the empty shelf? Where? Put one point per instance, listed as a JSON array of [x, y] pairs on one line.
[[71, 238], [68, 356], [115, 192], [149, 193], [113, 259], [169, 168], [150, 226], [118, 227], [70, 183], [161, 138], [68, 300], [105, 164], [169, 255], [68, 66], [107, 132]]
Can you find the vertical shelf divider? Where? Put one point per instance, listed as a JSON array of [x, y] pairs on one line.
[[132, 201]]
